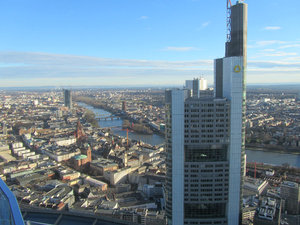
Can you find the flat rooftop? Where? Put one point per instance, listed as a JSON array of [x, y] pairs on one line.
[[51, 217]]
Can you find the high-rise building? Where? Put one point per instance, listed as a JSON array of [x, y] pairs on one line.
[[203, 84], [68, 98], [193, 86], [197, 86], [124, 106], [290, 192], [189, 84], [205, 139]]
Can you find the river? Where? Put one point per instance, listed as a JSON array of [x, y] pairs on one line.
[[116, 127], [154, 139]]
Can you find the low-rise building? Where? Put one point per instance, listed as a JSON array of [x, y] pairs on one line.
[[101, 165], [254, 185], [268, 212], [94, 182]]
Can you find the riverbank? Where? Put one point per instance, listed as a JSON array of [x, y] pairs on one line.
[[138, 128], [90, 117], [280, 151], [96, 104]]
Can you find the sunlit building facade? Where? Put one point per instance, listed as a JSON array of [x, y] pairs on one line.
[[205, 138]]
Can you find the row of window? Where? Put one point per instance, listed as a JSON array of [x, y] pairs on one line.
[[205, 171], [204, 141], [209, 181], [204, 136], [210, 124], [202, 175], [205, 223], [209, 199], [202, 105], [206, 166]]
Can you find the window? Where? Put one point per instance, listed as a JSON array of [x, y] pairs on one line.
[[196, 154], [192, 210]]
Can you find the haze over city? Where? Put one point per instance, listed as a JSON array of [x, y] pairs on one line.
[[138, 43]]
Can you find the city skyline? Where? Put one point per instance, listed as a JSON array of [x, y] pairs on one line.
[[140, 42]]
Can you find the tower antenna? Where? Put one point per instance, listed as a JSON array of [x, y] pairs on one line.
[[228, 20]]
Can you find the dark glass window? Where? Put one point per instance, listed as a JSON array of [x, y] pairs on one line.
[[215, 210], [196, 154]]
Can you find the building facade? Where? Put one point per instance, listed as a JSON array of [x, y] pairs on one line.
[[203, 84], [290, 192], [205, 139], [68, 98]]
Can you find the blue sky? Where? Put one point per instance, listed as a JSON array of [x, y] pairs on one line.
[[140, 42]]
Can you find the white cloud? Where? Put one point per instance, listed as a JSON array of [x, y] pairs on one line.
[[143, 18], [275, 44], [60, 60], [268, 50], [273, 71], [69, 69], [40, 69], [273, 64], [279, 53], [179, 49], [205, 24], [260, 44], [272, 28], [269, 42], [292, 59], [290, 46], [274, 48]]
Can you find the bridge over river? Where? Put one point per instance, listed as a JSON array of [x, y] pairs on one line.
[[106, 116]]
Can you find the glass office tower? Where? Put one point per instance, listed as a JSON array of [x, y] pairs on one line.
[[205, 139]]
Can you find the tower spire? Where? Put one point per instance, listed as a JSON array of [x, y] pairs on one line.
[[228, 21]]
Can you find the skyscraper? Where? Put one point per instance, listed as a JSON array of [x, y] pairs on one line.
[[68, 98], [205, 139], [124, 106], [193, 86], [203, 84]]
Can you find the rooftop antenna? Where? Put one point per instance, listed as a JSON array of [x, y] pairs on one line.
[[228, 20]]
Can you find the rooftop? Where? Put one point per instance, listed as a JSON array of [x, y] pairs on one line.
[[51, 217], [78, 157]]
